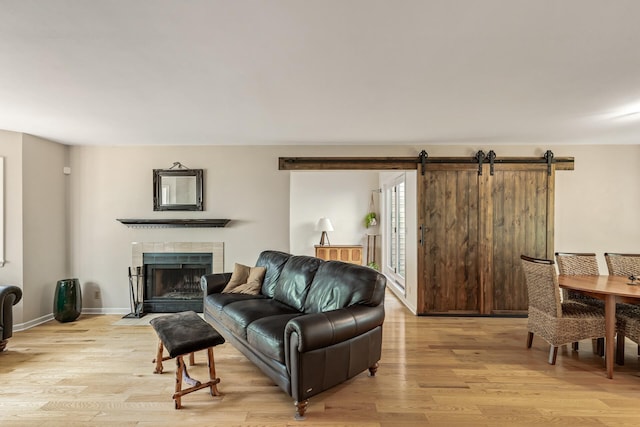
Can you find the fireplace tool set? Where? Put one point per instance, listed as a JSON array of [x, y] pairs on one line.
[[135, 292]]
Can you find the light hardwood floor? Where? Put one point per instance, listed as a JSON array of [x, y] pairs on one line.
[[441, 371]]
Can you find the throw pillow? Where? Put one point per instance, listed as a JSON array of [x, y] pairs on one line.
[[238, 277], [254, 282]]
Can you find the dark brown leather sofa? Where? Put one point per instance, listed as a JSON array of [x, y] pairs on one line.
[[10, 295], [315, 324]]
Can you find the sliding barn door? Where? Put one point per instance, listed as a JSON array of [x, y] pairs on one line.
[[448, 258], [519, 220], [473, 229]]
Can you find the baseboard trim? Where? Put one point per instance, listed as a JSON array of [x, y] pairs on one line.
[[17, 327], [103, 310], [31, 323]]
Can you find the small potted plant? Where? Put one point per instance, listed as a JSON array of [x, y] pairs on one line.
[[370, 220]]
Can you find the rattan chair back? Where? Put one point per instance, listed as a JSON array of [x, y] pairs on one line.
[[577, 264], [623, 264], [542, 285]]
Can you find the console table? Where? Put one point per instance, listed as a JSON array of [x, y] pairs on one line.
[[346, 253]]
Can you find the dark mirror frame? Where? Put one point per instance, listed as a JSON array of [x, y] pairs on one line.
[[157, 189]]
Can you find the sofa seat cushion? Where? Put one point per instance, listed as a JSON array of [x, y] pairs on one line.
[[237, 316], [267, 335], [218, 301]]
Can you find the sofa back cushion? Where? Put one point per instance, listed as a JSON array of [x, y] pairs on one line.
[[339, 284], [273, 261], [294, 281]]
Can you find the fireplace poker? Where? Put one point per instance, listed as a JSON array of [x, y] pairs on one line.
[[132, 300], [134, 295], [139, 289]]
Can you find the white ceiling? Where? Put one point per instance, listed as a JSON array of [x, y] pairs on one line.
[[321, 71]]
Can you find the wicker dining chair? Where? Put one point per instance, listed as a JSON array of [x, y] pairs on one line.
[[574, 264], [627, 315], [580, 264], [557, 322], [623, 264]]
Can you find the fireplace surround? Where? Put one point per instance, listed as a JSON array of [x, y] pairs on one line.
[[171, 273], [172, 281]]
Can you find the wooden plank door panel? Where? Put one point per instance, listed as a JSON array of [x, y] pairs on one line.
[[448, 251], [520, 197], [475, 227]]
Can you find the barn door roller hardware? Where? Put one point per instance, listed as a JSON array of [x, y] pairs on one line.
[[548, 156], [480, 159], [420, 162], [423, 160], [492, 157]]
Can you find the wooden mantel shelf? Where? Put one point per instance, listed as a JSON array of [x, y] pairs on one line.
[[167, 223]]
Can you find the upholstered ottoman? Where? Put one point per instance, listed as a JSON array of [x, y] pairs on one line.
[[182, 334]]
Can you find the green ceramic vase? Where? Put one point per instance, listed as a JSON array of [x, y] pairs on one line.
[[67, 301]]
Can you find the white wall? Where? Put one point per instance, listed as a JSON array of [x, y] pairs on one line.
[[341, 196], [12, 272], [245, 185], [596, 205], [241, 183], [36, 234], [45, 234]]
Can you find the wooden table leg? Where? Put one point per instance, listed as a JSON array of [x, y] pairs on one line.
[[610, 331]]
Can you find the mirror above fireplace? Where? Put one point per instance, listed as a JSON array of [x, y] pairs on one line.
[[178, 189]]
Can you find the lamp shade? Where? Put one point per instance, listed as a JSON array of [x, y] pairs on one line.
[[324, 224]]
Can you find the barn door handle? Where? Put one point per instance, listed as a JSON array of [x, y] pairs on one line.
[[421, 235]]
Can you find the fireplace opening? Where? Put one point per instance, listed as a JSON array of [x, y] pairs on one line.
[[172, 281]]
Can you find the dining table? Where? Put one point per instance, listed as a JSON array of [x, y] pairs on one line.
[[611, 289]]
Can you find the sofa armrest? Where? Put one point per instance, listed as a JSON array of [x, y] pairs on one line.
[[214, 283], [10, 295], [319, 330]]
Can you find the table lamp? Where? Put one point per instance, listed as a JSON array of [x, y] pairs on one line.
[[324, 225]]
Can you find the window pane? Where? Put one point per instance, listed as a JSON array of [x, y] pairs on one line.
[[401, 230], [395, 231]]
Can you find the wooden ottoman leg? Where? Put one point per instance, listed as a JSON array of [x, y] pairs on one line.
[[201, 336], [179, 371], [213, 389], [158, 359]]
